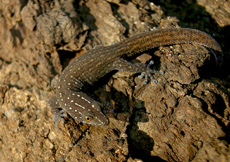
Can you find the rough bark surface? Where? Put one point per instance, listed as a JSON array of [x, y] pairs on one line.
[[184, 117]]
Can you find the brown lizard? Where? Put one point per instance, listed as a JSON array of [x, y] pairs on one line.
[[87, 69]]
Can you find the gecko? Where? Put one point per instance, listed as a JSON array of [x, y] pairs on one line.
[[85, 71]]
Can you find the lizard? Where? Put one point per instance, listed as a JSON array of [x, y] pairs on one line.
[[83, 73]]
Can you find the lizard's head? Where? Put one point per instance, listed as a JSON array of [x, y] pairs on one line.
[[94, 115], [83, 108]]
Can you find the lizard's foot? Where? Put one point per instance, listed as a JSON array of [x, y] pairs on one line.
[[57, 112], [149, 73]]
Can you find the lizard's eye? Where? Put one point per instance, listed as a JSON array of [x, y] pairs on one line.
[[88, 118]]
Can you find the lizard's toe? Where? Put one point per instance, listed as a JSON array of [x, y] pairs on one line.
[[149, 74]]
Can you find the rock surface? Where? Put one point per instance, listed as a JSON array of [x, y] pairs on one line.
[[184, 117]]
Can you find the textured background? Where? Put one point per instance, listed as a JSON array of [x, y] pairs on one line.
[[185, 117]]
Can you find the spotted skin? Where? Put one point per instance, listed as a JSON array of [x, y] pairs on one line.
[[88, 68]]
